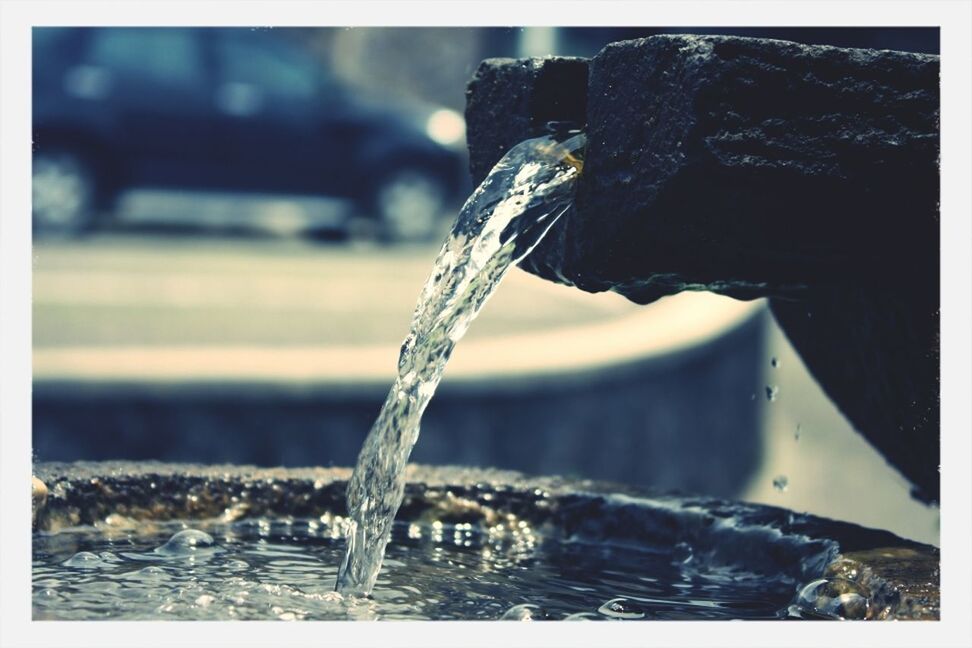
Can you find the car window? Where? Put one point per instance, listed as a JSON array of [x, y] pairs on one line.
[[252, 58], [166, 56]]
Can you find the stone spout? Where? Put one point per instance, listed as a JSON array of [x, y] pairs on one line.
[[756, 168]]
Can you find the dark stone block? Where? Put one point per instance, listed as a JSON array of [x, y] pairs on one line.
[[754, 168]]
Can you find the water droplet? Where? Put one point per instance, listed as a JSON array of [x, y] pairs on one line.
[[84, 560], [186, 543], [772, 392], [781, 483], [836, 598], [524, 612], [775, 362], [796, 432], [682, 553], [621, 608]]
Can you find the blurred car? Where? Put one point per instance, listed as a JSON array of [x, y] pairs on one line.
[[228, 111]]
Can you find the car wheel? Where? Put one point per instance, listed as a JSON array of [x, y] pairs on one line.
[[63, 193], [409, 205]]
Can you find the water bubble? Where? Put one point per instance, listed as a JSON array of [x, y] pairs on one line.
[[84, 560], [186, 543], [772, 392], [781, 483], [835, 598], [236, 565], [621, 608], [850, 606], [775, 362], [151, 571], [524, 612]]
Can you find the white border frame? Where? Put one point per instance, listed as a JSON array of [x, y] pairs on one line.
[[16, 18]]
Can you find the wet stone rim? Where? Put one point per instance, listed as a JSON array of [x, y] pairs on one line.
[[900, 578]]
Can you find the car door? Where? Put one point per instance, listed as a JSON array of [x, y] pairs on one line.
[[154, 81], [269, 103]]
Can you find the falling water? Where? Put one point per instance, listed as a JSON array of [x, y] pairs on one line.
[[507, 215]]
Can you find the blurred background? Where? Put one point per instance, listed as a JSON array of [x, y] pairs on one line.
[[231, 227]]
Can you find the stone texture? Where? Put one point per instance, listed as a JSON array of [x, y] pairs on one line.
[[903, 583], [510, 100], [762, 168]]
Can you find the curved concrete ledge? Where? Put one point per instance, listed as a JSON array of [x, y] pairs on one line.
[[539, 403], [667, 327]]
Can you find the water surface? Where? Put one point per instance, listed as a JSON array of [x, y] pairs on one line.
[[287, 569]]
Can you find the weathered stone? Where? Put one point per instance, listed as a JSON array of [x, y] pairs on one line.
[[509, 100], [754, 168], [903, 583]]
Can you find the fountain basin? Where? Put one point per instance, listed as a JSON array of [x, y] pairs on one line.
[[534, 401], [469, 544]]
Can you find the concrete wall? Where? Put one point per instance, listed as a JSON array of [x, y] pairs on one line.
[[686, 420]]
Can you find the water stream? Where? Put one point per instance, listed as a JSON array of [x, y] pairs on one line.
[[507, 215]]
